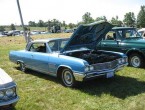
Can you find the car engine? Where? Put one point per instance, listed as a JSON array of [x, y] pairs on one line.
[[93, 57]]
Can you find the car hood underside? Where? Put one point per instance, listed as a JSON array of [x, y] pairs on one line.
[[88, 36]]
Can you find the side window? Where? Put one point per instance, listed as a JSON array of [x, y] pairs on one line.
[[111, 35], [128, 34], [120, 33], [53, 45], [38, 47]]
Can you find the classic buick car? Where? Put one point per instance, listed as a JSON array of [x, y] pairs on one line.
[[126, 40], [8, 95], [74, 59]]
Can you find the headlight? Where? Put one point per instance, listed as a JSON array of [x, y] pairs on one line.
[[10, 92], [86, 68], [1, 94], [123, 60], [91, 68], [119, 61]]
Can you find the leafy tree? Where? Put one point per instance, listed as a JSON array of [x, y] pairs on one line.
[[12, 27], [79, 23], [32, 23], [141, 17], [2, 28], [55, 22], [49, 25], [101, 18], [63, 24], [40, 23], [87, 18], [71, 25], [129, 19], [116, 22], [26, 28]]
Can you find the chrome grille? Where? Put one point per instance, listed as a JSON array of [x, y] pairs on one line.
[[106, 65]]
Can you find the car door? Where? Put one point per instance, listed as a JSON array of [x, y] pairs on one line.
[[39, 57], [111, 42]]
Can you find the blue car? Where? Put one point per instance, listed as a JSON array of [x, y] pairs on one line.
[[72, 60]]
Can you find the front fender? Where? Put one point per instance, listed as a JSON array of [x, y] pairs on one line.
[[75, 64], [134, 50], [63, 66]]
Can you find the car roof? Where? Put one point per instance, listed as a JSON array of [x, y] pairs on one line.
[[47, 40], [121, 28], [142, 29]]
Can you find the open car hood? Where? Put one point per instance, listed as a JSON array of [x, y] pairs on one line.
[[87, 36]]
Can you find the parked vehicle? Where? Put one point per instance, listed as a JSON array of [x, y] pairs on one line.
[[3, 33], [126, 40], [8, 93], [68, 31], [13, 33], [45, 32], [35, 32], [76, 59]]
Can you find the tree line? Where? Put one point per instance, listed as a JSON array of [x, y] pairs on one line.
[[129, 20]]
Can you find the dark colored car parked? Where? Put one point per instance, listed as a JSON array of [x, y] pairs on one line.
[[128, 41], [13, 33]]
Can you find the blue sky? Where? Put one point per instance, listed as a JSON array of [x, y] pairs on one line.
[[67, 10]]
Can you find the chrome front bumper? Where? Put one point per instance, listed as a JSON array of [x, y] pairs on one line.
[[92, 74], [9, 102]]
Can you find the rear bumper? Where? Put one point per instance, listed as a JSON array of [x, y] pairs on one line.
[[9, 102], [83, 76]]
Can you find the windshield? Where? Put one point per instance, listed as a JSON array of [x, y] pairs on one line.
[[129, 33], [57, 45]]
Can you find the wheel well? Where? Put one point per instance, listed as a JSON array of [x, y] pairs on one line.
[[59, 71], [19, 61], [135, 52]]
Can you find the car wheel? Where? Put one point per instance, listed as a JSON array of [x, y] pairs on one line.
[[67, 78], [135, 60], [22, 67]]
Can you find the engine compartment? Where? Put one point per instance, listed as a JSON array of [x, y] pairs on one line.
[[93, 57]]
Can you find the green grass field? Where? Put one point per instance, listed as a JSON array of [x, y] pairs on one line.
[[126, 91]]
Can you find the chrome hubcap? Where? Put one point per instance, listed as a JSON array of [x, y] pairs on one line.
[[135, 61], [68, 78]]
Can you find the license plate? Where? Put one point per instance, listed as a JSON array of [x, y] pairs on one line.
[[109, 75]]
